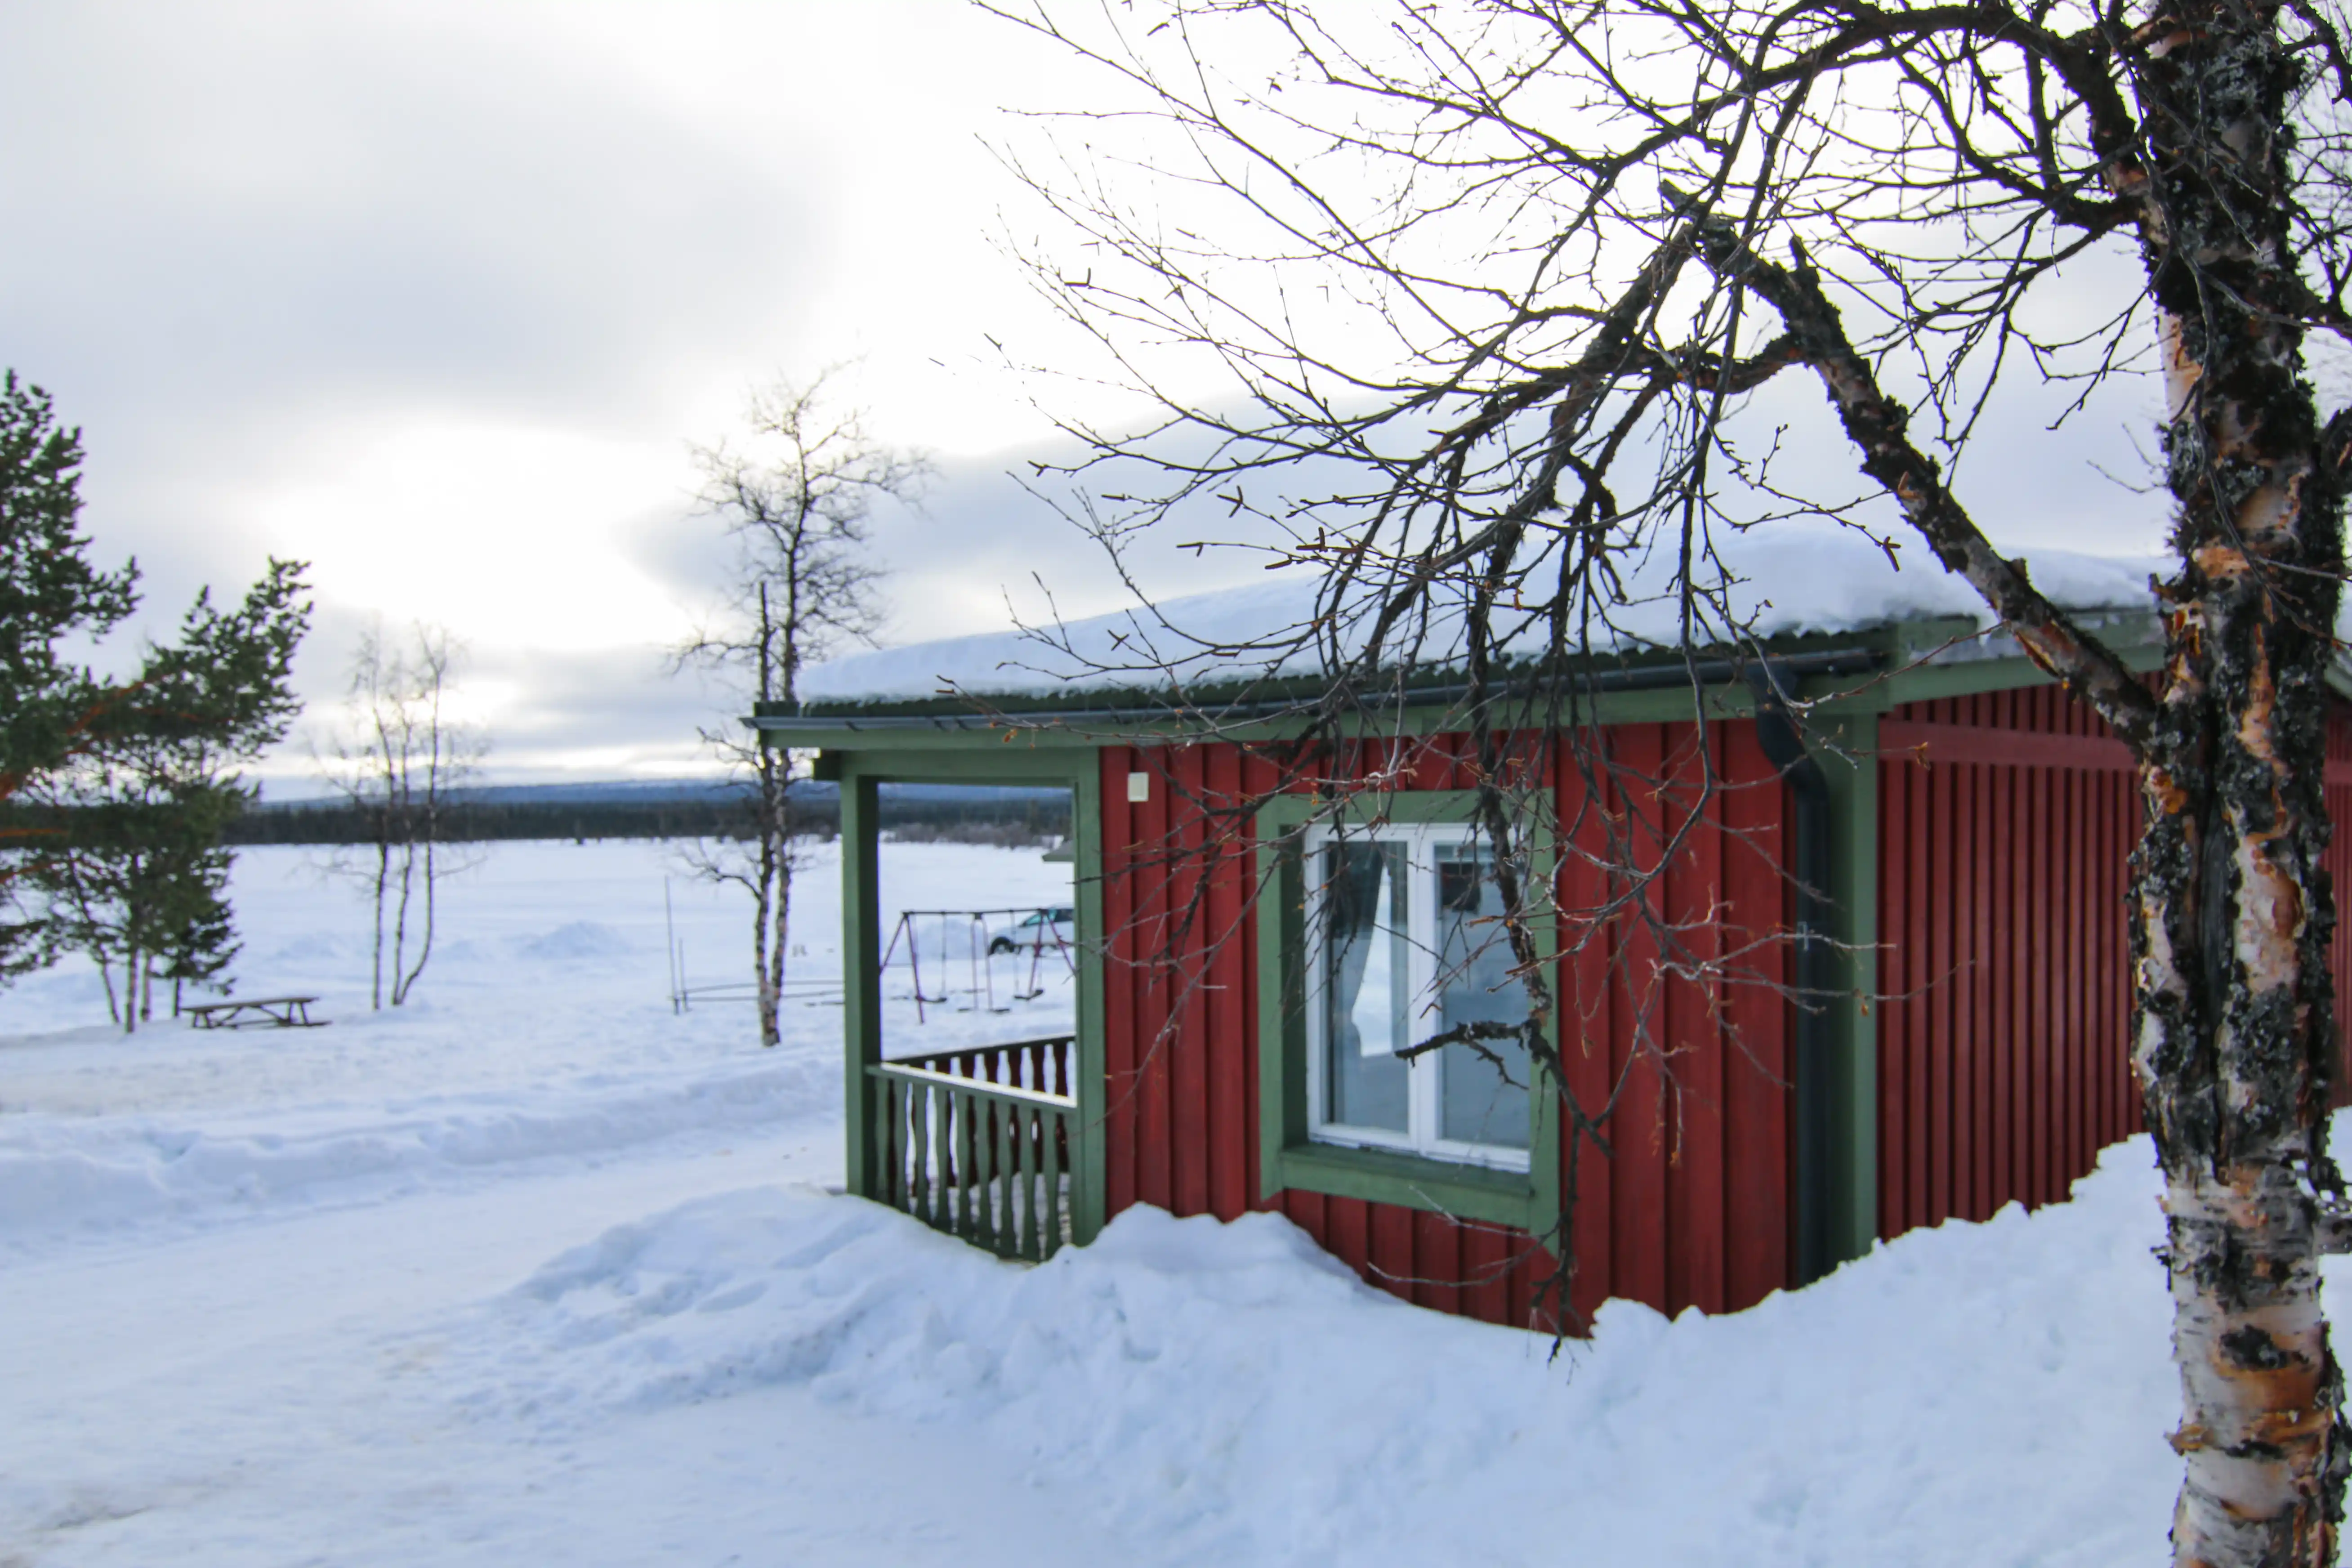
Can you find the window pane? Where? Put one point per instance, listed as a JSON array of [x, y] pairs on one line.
[[1477, 1102], [1365, 973]]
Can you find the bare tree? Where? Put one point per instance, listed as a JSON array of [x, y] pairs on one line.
[[795, 495], [399, 763], [1476, 303]]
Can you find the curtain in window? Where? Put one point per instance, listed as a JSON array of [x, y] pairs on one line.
[[1365, 966]]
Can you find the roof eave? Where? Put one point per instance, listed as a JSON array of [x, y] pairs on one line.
[[1853, 658]]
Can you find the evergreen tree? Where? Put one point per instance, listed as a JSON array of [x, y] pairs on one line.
[[113, 794], [51, 709]]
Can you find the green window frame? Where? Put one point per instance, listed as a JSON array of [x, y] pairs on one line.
[[1290, 1157]]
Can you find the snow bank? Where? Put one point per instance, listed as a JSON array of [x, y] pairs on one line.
[[63, 1175], [1782, 581], [1228, 1393], [577, 941]]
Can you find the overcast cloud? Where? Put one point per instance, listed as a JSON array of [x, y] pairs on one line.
[[435, 296]]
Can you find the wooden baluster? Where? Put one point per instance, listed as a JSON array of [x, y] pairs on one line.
[[1024, 1167], [881, 1156], [1001, 1237], [942, 1127], [943, 1157], [951, 1176], [947, 1156], [1024, 1217], [890, 1141], [942, 1171], [1031, 1195], [973, 1181], [998, 1190], [918, 1096], [1051, 1126], [960, 1127]]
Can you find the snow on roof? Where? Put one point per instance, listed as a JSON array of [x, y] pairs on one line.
[[1787, 580]]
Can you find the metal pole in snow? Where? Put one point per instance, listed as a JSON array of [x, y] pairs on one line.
[[669, 931], [988, 957], [915, 960]]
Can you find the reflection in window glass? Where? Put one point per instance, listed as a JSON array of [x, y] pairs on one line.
[[1478, 1100], [1366, 980]]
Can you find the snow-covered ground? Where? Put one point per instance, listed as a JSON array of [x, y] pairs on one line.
[[539, 1271]]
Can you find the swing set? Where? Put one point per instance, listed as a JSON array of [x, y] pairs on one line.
[[987, 935]]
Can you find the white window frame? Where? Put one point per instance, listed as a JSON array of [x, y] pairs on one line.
[[1425, 1084]]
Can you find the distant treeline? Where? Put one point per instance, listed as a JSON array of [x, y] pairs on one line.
[[991, 814]]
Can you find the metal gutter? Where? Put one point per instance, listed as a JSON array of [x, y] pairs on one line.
[[1851, 661]]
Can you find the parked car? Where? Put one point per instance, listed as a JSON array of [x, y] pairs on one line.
[[1046, 926]]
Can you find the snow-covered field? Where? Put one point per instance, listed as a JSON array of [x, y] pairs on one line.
[[537, 1271]]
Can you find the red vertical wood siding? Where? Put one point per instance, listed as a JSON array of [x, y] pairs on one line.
[[2001, 1051], [1691, 1211], [2003, 1064], [2002, 1032]]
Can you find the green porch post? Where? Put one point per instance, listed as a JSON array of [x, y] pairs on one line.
[[861, 976], [1091, 1192], [1848, 753]]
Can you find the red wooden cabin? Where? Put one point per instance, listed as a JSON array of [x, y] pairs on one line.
[[1968, 827]]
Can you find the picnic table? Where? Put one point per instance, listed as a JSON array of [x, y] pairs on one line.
[[256, 1013]]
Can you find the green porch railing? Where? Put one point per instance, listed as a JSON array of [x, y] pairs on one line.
[[977, 1143]]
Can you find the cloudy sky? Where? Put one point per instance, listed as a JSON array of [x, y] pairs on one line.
[[435, 296]]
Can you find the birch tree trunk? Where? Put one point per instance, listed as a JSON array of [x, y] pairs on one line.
[[773, 981], [772, 896], [383, 880], [767, 921], [2231, 909]]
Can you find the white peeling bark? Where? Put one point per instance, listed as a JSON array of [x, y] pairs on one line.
[[2231, 913]]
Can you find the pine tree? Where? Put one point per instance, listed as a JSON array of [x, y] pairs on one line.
[[113, 794], [51, 709]]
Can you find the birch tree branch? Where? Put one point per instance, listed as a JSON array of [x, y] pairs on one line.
[[1878, 425]]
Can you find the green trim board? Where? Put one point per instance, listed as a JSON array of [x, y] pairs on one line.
[[1150, 703], [1025, 738], [1091, 1197], [935, 763], [1969, 677], [1913, 660], [1848, 756], [1288, 1157], [1041, 745], [861, 992]]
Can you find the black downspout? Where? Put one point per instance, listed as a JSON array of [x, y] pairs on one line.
[[1816, 978]]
